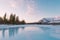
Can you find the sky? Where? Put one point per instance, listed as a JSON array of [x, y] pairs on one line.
[[30, 10]]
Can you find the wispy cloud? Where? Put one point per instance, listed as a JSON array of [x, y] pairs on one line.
[[13, 4], [30, 7]]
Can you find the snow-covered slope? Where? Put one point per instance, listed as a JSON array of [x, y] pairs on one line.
[[50, 20]]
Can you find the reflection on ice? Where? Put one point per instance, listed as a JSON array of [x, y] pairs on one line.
[[5, 33], [33, 29], [55, 32], [20, 30], [0, 34], [30, 33], [45, 28]]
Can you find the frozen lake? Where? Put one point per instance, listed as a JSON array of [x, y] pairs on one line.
[[29, 32]]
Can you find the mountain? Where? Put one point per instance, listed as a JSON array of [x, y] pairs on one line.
[[50, 20]]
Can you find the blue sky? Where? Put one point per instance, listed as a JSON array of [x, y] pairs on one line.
[[30, 10]]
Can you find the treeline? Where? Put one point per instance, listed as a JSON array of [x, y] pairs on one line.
[[13, 19]]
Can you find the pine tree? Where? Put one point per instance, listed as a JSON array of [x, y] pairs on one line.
[[17, 20], [5, 19]]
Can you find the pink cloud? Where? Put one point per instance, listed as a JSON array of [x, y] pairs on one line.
[[30, 7]]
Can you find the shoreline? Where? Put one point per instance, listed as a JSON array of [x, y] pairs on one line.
[[34, 24]]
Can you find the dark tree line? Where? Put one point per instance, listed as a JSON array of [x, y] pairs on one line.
[[13, 19]]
